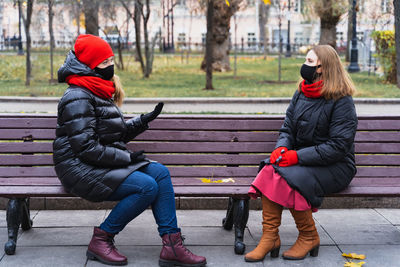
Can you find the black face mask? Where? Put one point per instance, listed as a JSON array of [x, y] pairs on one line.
[[309, 73], [106, 73]]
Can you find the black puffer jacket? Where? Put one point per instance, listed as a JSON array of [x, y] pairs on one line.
[[322, 132], [90, 154]]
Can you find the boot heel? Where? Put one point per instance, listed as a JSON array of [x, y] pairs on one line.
[[90, 256], [163, 263], [275, 252], [314, 251]]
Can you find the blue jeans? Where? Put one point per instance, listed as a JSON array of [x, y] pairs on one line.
[[150, 185]]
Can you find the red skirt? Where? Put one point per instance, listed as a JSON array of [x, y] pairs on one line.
[[270, 184]]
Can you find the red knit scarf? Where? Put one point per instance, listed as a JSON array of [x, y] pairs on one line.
[[311, 90], [102, 88]]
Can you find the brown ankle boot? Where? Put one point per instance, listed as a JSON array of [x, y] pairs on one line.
[[270, 241], [308, 239], [174, 253], [102, 248]]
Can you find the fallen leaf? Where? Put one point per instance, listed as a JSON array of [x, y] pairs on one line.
[[354, 256], [354, 264], [227, 2], [209, 181]]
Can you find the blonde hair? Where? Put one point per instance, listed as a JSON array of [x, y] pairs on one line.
[[336, 81], [119, 91]]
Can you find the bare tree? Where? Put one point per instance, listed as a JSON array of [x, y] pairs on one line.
[[141, 14], [110, 12], [220, 33], [263, 15], [329, 12], [51, 33], [396, 4], [349, 31], [91, 10], [27, 23], [209, 45], [77, 10]]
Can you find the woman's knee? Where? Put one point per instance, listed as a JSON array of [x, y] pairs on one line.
[[150, 187], [162, 172]]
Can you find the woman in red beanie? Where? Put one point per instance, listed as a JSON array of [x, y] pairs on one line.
[[313, 157], [92, 161]]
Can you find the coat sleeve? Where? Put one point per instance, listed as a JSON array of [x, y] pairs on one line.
[[286, 134], [135, 126], [79, 118], [342, 131]]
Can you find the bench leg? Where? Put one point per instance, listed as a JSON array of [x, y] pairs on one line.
[[227, 222], [17, 212], [240, 217], [26, 222]]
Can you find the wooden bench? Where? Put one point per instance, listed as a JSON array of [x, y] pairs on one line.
[[208, 156]]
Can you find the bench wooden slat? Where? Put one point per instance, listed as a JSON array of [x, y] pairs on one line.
[[58, 191], [206, 124], [357, 191], [155, 135], [215, 172], [215, 136], [196, 147], [197, 159], [197, 181]]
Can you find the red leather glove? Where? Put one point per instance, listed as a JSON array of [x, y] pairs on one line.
[[276, 153], [289, 158]]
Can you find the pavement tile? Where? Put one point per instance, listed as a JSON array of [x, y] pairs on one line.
[[68, 218], [200, 217], [143, 235], [377, 255], [68, 236], [3, 218], [147, 256], [329, 256], [349, 216], [289, 233], [346, 234], [43, 256], [392, 215]]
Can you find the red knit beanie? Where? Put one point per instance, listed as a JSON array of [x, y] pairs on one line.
[[92, 50]]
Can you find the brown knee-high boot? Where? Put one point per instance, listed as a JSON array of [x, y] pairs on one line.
[[308, 239], [269, 242]]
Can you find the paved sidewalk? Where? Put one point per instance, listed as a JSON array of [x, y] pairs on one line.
[[236, 105], [59, 238]]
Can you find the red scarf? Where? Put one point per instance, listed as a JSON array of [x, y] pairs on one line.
[[102, 88], [311, 90]]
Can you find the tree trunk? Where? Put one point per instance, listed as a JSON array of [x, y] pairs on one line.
[[51, 32], [263, 14], [349, 31], [137, 18], [220, 34], [27, 24], [328, 33], [147, 54], [78, 17], [329, 12], [2, 36], [91, 10], [396, 4], [120, 57], [209, 45]]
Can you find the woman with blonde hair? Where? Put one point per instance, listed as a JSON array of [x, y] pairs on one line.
[[313, 157], [92, 160]]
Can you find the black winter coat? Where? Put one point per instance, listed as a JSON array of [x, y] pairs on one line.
[[322, 132], [89, 151]]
